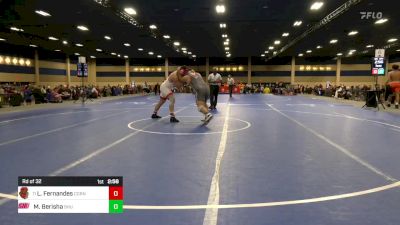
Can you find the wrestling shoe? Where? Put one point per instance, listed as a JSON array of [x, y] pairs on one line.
[[173, 120], [155, 116], [208, 117]]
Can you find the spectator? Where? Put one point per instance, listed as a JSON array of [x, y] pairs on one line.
[[231, 84]]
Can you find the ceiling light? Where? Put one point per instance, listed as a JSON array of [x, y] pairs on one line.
[[316, 5], [189, 53], [222, 25], [2, 39], [140, 49], [127, 44], [119, 55], [57, 50], [76, 53], [107, 37], [42, 13], [79, 45], [339, 54], [301, 54], [275, 52], [333, 41], [53, 38], [370, 46], [183, 49], [271, 47], [297, 23], [227, 48], [226, 43], [92, 57], [194, 56], [130, 11], [220, 9], [380, 21], [392, 40], [16, 29], [277, 42], [228, 56], [151, 53], [153, 27], [81, 27], [113, 53], [99, 50], [352, 33], [308, 51], [176, 43], [33, 46], [285, 34], [227, 53], [398, 50], [266, 52], [319, 46], [166, 36], [125, 56], [262, 55], [159, 56], [227, 40], [65, 42], [224, 35]]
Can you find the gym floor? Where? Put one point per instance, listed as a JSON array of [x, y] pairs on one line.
[[263, 159]]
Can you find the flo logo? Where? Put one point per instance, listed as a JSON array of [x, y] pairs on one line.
[[23, 205], [23, 192], [371, 15]]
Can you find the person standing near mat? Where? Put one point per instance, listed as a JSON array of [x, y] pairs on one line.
[[214, 79], [231, 84], [167, 93], [394, 83], [201, 91]]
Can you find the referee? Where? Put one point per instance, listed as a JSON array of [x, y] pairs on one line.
[[214, 79]]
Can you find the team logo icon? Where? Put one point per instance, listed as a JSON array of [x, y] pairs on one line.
[[23, 192]]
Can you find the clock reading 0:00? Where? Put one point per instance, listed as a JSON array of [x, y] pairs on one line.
[[113, 181]]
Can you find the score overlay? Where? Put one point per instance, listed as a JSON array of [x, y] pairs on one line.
[[70, 194]]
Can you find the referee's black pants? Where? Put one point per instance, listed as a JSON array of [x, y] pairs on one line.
[[214, 90]]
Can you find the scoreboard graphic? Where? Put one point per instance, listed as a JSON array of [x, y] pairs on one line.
[[70, 195]]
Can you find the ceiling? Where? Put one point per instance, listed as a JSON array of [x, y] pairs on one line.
[[252, 26]]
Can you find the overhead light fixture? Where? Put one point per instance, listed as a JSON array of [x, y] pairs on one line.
[[262, 55], [183, 49], [316, 5], [220, 9], [227, 48], [113, 53], [130, 11], [92, 57], [53, 38], [319, 46], [228, 56], [151, 53], [301, 55], [159, 56], [275, 52], [33, 46], [370, 46], [333, 41], [76, 53], [189, 53], [42, 13], [266, 52], [297, 23], [227, 40], [166, 36], [140, 49], [65, 42], [127, 44], [308, 51], [226, 43], [119, 55], [99, 50], [285, 34], [227, 53], [277, 42], [380, 21], [339, 54], [222, 25], [398, 50], [2, 39], [176, 43], [57, 50], [224, 35], [16, 29], [194, 56], [153, 27], [352, 33], [79, 45], [107, 37], [125, 56], [271, 47], [81, 27], [392, 40]]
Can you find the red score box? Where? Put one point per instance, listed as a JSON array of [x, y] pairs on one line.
[[116, 193]]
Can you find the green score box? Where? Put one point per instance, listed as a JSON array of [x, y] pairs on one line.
[[116, 206]]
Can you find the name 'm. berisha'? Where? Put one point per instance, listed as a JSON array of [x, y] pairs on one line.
[[48, 206]]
